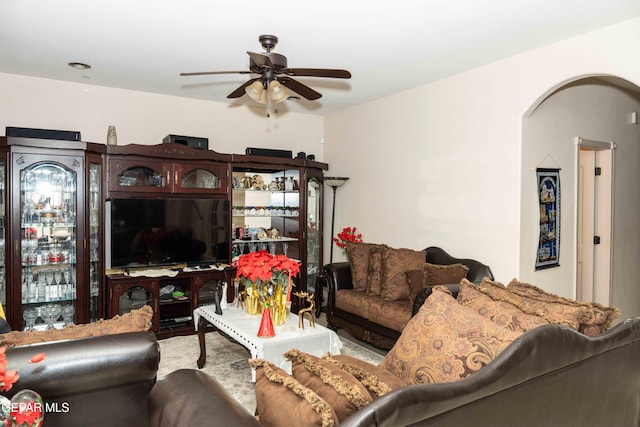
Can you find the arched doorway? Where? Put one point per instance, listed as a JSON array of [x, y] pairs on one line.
[[597, 108]]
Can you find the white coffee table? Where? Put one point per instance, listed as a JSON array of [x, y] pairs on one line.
[[243, 328]]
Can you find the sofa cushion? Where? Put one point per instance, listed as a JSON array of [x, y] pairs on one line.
[[445, 342], [553, 312], [598, 317], [135, 320], [378, 381], [354, 302], [280, 399], [395, 264], [339, 388], [391, 314], [358, 254], [432, 275], [500, 312]]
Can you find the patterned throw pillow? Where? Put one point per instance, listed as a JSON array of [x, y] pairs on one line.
[[135, 320], [378, 381], [395, 264], [281, 399], [553, 312], [598, 317], [434, 274], [358, 254], [500, 312], [445, 342], [339, 388]]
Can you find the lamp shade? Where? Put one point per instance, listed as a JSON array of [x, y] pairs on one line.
[[335, 181], [256, 91], [277, 92]]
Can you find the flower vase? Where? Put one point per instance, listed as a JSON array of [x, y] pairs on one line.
[[266, 325], [278, 306], [252, 301]]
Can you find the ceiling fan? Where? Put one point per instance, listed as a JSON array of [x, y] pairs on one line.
[[273, 74]]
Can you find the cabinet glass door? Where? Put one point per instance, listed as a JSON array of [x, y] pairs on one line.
[[48, 209], [94, 241], [314, 237], [3, 201]]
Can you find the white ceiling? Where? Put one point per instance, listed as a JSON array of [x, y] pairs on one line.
[[389, 46]]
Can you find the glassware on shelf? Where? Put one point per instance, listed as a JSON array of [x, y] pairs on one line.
[[67, 314], [50, 313], [30, 316]]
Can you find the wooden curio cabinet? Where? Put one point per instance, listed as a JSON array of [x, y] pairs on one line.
[[51, 219], [277, 206]]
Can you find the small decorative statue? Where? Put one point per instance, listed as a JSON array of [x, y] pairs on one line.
[[307, 311], [217, 297]]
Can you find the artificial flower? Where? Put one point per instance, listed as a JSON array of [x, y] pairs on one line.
[[348, 234]]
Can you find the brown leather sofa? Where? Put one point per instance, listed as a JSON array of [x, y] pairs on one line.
[[97, 381], [549, 376], [337, 276]]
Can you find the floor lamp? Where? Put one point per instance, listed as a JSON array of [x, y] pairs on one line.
[[334, 183]]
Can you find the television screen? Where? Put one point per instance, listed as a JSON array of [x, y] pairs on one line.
[[147, 232]]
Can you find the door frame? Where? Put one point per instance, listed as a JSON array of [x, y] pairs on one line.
[[605, 217]]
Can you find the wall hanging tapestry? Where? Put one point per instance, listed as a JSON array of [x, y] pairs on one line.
[[548, 253]]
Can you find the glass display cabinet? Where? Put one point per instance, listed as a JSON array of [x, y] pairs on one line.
[[277, 206], [54, 222]]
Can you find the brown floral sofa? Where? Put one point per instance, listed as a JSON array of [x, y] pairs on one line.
[[376, 293], [494, 355]]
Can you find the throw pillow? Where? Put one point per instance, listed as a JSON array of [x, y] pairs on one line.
[[553, 312], [135, 320], [395, 264], [378, 381], [281, 399], [434, 274], [374, 277], [358, 254], [500, 312], [598, 317], [445, 342], [339, 388]]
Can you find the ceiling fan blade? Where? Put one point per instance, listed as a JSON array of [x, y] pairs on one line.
[[317, 72], [202, 73], [260, 59], [299, 88], [240, 90]]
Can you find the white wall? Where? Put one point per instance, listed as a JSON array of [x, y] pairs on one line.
[[440, 164], [144, 118]]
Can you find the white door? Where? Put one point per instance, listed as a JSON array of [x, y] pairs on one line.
[[594, 210]]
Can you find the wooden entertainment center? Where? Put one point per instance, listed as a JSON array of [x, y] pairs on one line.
[[57, 236]]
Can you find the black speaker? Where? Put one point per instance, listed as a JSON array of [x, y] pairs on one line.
[[190, 141], [64, 135], [268, 152]]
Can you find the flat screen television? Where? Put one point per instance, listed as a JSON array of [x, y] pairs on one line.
[[158, 232]]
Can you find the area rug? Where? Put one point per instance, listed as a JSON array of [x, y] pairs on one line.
[[227, 362]]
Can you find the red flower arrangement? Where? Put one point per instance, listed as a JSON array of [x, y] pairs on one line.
[[260, 267], [348, 234], [26, 408]]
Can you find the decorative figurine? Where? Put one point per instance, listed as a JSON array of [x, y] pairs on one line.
[[217, 297], [307, 311]]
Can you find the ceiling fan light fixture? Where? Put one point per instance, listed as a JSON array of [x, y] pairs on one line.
[[256, 91], [277, 92]]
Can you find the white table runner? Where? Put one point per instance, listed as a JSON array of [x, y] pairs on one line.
[[243, 328]]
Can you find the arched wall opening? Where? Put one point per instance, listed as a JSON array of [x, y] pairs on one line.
[[599, 108]]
